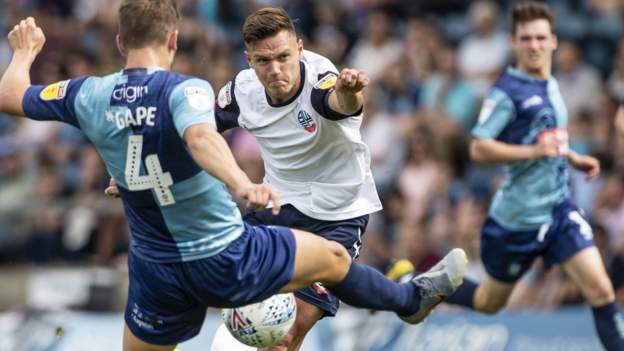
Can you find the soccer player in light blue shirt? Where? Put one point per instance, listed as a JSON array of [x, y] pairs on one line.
[[190, 249], [523, 124]]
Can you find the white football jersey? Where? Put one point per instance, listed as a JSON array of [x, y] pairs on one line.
[[313, 157]]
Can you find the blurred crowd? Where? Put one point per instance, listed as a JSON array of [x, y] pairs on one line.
[[430, 63]]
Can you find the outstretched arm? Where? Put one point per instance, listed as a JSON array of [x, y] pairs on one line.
[[26, 40], [493, 151], [212, 153], [347, 97]]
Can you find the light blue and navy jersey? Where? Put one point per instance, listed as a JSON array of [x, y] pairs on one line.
[[519, 110], [136, 119]]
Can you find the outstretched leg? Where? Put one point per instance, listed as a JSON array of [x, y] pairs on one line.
[[403, 270], [320, 260], [491, 295], [317, 260]]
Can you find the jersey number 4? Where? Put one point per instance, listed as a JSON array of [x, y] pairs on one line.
[[155, 179]]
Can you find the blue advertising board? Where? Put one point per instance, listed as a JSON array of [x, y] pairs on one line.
[[351, 330]]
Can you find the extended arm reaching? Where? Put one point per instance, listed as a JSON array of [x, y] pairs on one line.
[[26, 40], [493, 151], [347, 97], [212, 153]]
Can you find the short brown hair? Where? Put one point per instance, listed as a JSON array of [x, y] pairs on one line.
[[266, 23], [531, 11], [146, 22]]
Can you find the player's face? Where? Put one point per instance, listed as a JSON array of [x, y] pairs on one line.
[[276, 63], [534, 44]]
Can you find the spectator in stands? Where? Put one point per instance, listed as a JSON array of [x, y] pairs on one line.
[[387, 146], [377, 49], [485, 52], [447, 94], [579, 83]]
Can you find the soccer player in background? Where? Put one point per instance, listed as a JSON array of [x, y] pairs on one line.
[[190, 249], [523, 124]]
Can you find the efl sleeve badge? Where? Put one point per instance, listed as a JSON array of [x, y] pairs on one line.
[[55, 91], [328, 81]]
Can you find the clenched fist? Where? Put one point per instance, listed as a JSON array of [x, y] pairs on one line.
[[26, 37], [351, 81]]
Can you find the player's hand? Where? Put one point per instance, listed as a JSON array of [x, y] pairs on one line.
[[112, 190], [588, 164], [351, 81], [549, 145], [26, 37], [259, 196]]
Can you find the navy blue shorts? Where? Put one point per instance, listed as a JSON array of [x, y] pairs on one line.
[[507, 254], [347, 232], [167, 301]]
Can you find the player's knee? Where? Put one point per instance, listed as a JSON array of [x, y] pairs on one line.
[[341, 255], [486, 303], [340, 262]]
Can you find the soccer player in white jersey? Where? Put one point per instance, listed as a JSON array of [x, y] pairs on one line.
[[306, 117], [156, 133]]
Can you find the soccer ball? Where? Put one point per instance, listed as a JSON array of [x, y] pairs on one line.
[[262, 324]]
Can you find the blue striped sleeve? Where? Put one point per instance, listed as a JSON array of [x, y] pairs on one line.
[[192, 102], [54, 102], [497, 112]]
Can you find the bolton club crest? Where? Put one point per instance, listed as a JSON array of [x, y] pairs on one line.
[[306, 121]]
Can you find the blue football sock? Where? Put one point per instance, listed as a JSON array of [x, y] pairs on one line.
[[365, 287], [610, 326], [464, 296]]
